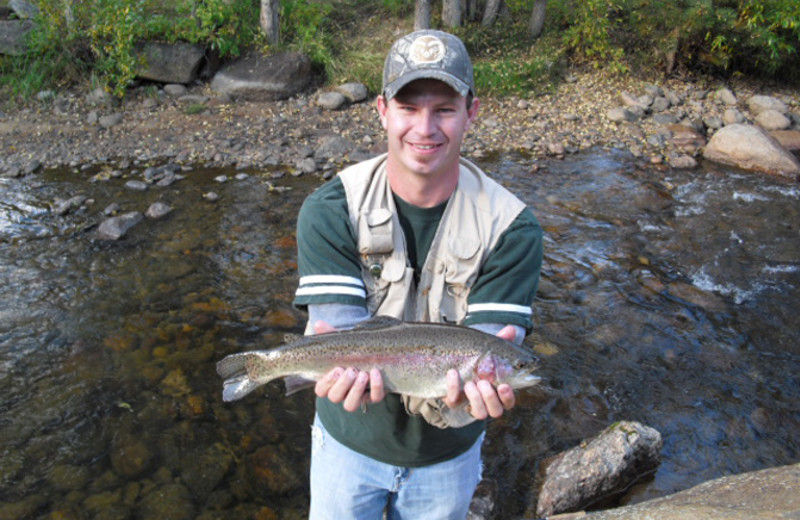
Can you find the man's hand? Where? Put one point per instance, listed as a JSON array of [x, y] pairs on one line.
[[484, 399], [349, 385]]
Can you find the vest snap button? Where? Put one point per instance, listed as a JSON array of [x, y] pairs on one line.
[[376, 270]]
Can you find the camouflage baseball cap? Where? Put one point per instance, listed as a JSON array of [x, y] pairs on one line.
[[428, 54]]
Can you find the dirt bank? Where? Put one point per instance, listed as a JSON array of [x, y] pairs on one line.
[[150, 126]]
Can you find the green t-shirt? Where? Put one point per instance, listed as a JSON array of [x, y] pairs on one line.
[[330, 272]]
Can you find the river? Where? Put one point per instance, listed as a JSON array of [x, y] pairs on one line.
[[667, 297]]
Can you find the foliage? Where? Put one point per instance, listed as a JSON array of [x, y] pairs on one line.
[[303, 27], [101, 35], [760, 37], [347, 40]]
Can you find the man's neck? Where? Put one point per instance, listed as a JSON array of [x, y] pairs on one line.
[[423, 191]]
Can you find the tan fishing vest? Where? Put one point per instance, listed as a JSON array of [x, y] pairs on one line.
[[476, 215]]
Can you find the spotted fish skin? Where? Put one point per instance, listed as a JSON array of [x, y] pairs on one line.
[[413, 359]]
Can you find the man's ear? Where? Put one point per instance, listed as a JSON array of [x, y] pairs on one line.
[[383, 106], [472, 111]]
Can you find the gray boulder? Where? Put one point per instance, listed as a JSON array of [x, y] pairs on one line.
[[751, 148], [22, 9], [255, 77], [170, 62], [607, 464], [12, 36]]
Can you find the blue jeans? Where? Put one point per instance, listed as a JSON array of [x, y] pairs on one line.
[[347, 485]]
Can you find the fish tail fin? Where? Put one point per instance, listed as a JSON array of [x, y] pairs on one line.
[[237, 382], [237, 387]]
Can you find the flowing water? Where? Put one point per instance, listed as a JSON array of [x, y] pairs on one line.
[[668, 298]]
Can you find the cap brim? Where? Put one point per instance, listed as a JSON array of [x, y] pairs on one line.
[[393, 88]]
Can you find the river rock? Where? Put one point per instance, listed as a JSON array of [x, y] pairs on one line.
[[773, 120], [203, 471], [65, 206], [789, 139], [725, 96], [751, 148], [768, 493], [732, 116], [686, 138], [175, 89], [255, 77], [605, 465], [115, 228], [331, 100], [109, 120], [333, 147], [683, 162], [99, 97], [158, 210], [271, 471], [167, 502], [621, 115], [759, 103], [354, 92], [130, 456]]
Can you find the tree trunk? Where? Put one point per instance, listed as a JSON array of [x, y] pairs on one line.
[[270, 20], [422, 15], [537, 19], [471, 10], [451, 13], [492, 11]]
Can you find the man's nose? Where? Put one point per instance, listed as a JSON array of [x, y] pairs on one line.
[[425, 123]]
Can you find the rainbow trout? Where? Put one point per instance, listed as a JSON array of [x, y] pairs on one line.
[[413, 359]]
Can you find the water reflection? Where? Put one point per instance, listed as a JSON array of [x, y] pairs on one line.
[[667, 298]]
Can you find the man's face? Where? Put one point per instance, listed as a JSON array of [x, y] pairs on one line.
[[425, 123]]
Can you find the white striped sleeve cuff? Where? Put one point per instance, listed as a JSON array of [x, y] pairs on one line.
[[499, 307], [327, 284]]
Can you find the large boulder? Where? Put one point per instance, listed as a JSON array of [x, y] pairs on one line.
[[601, 467], [170, 62], [751, 148], [255, 77], [768, 493], [12, 36]]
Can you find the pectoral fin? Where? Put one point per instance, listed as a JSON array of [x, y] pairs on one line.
[[296, 383]]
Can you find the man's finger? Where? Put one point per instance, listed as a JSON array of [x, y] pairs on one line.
[[323, 386], [355, 395], [341, 387], [376, 390], [491, 400], [453, 397], [477, 408], [507, 397], [323, 327]]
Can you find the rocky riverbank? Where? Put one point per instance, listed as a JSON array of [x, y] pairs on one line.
[[659, 121]]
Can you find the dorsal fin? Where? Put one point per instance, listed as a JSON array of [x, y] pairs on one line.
[[378, 322]]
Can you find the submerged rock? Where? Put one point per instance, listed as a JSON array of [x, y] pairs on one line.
[[116, 227]]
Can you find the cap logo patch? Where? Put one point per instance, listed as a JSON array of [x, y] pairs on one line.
[[426, 49]]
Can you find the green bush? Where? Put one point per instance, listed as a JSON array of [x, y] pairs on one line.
[[71, 38]]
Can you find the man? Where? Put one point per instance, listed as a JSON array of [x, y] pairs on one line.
[[419, 234]]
